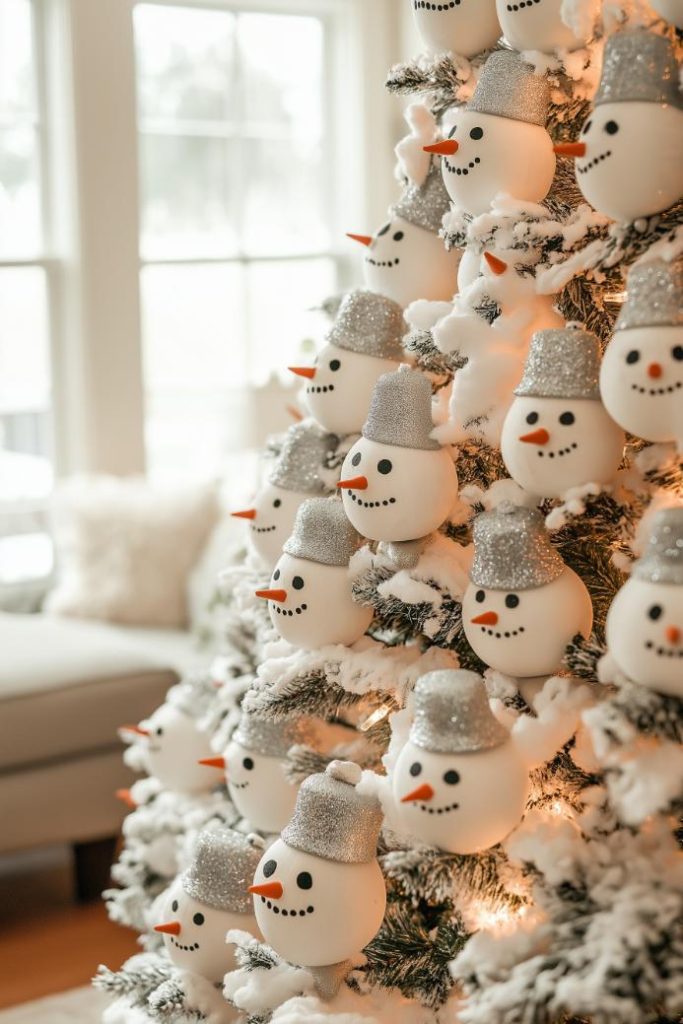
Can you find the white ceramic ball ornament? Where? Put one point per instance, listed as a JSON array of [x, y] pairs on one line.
[[271, 519], [670, 10], [645, 620], [175, 745], [457, 26], [523, 605], [459, 783], [539, 25]]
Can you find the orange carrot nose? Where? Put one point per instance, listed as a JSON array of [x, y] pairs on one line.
[[172, 928], [570, 148], [497, 266], [654, 370], [303, 371], [445, 148], [540, 436], [249, 513], [124, 796], [363, 239], [213, 762], [356, 483], [485, 619], [673, 634], [423, 792], [273, 890], [272, 595], [137, 729]]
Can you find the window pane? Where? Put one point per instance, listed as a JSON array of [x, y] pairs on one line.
[[17, 92], [20, 233]]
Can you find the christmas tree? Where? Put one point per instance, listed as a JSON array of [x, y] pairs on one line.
[[435, 772]]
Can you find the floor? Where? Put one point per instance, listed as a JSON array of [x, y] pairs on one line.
[[48, 944]]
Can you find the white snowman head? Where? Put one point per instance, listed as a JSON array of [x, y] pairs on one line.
[[645, 621], [398, 483], [310, 599], [557, 433], [465, 27], [174, 746], [641, 378], [208, 901], [498, 141], [364, 343], [298, 473], [523, 604], [670, 10], [460, 783], [630, 155], [319, 894], [540, 25]]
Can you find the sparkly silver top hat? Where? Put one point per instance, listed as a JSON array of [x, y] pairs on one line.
[[508, 87], [401, 411], [453, 715], [222, 868], [332, 819], [369, 324], [639, 66], [322, 533], [268, 737], [512, 550], [425, 205], [562, 363], [655, 296], [300, 462], [663, 558]]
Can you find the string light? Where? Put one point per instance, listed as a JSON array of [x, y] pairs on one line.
[[377, 715]]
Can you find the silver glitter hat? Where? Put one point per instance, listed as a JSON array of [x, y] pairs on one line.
[[512, 550], [452, 714], [268, 737], [562, 363], [508, 87], [663, 558], [639, 66], [332, 819], [655, 296], [322, 533], [302, 456], [223, 867], [401, 411], [369, 324], [425, 205]]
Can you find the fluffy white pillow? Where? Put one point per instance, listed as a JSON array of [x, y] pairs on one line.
[[125, 549]]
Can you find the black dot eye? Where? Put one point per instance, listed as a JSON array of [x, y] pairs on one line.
[[298, 583], [655, 612], [587, 127], [480, 596], [248, 763], [304, 880], [277, 503], [567, 418], [276, 574], [415, 768], [532, 418], [334, 365], [384, 466], [451, 777], [198, 919], [269, 868], [355, 461], [398, 237], [511, 601], [174, 906], [383, 231], [677, 352], [160, 731], [633, 356], [611, 127], [477, 133], [452, 131]]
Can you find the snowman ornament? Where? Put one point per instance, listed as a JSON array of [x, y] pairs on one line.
[[459, 783], [255, 769], [465, 29], [298, 473], [645, 620], [557, 434], [641, 378], [630, 154], [174, 745], [310, 600], [523, 604], [541, 25], [365, 342], [498, 141], [319, 894], [398, 484], [210, 899]]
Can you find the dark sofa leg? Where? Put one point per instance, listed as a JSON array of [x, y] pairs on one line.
[[92, 867]]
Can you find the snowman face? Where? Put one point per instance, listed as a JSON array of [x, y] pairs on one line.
[[466, 27], [448, 791], [645, 634], [525, 633], [497, 154], [317, 912], [339, 394], [552, 444], [314, 605], [405, 262], [670, 10], [402, 493], [275, 509], [259, 788], [539, 26], [633, 164], [197, 942], [174, 747], [641, 381]]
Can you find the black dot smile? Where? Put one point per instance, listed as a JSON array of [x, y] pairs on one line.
[[437, 810], [657, 391], [425, 5], [382, 263], [261, 529], [185, 949], [594, 162], [322, 390], [522, 5], [558, 451], [288, 611], [238, 785], [664, 652], [370, 504], [461, 170], [285, 911], [505, 635]]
